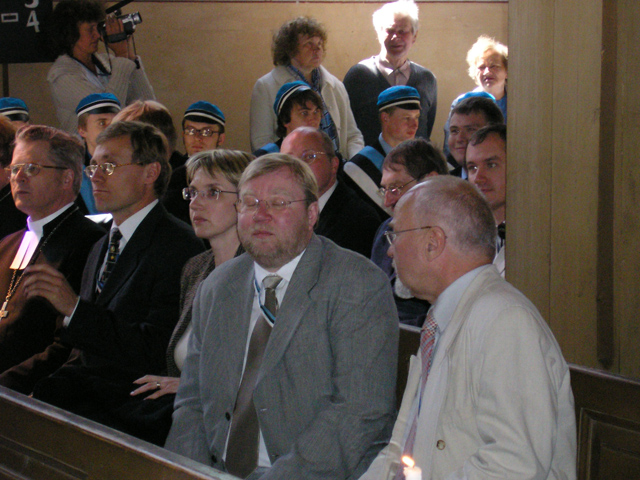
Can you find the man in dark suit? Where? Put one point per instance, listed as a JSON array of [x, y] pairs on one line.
[[45, 175], [120, 324], [315, 396], [344, 217]]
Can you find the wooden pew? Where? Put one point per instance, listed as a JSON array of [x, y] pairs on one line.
[[41, 442], [607, 413], [608, 416]]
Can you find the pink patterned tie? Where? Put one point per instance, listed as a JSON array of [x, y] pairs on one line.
[[427, 342]]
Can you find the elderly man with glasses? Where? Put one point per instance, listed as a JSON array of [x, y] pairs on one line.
[[121, 322], [344, 217], [408, 164], [45, 175]]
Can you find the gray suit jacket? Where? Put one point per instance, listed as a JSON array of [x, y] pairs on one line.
[[325, 393]]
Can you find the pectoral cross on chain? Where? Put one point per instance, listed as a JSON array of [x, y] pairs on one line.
[[4, 312]]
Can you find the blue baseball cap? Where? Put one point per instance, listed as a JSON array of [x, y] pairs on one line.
[[98, 103], [285, 93], [14, 109], [399, 96], [204, 112]]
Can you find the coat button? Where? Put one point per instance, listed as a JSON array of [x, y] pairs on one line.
[[227, 415], [214, 459], [440, 444]]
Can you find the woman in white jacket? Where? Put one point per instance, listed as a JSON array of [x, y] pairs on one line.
[[298, 50]]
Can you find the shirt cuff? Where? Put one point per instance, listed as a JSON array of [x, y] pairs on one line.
[[67, 320]]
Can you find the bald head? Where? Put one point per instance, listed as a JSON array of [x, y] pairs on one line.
[[444, 229], [315, 148]]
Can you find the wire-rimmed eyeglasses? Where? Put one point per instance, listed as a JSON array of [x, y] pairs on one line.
[[250, 204], [190, 193], [30, 169], [202, 132], [394, 190], [391, 235], [107, 168]]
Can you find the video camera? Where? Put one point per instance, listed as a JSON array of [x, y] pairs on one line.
[[129, 22]]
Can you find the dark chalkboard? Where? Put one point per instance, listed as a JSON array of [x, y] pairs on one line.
[[22, 35]]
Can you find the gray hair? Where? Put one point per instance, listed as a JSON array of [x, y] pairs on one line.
[[275, 161], [64, 150], [460, 210], [401, 8]]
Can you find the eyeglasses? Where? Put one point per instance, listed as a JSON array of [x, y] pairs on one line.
[[203, 132], [30, 169], [107, 168], [250, 204], [391, 236], [310, 156], [394, 190], [190, 194]]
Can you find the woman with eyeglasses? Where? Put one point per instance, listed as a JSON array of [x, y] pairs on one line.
[[213, 178]]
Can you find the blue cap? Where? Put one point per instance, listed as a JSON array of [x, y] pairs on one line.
[[98, 103], [399, 96], [473, 93], [285, 93], [204, 112], [14, 109]]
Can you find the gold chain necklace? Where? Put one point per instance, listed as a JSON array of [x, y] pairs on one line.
[[15, 282]]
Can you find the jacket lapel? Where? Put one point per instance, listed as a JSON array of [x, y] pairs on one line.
[[130, 257], [295, 304]]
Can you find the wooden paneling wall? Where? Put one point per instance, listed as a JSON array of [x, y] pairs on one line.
[[573, 173], [217, 50]]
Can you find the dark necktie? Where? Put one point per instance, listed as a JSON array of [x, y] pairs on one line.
[[427, 342], [242, 449], [112, 258]]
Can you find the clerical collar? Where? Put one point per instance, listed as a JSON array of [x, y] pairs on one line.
[[37, 226]]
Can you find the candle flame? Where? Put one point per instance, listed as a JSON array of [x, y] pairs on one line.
[[408, 461]]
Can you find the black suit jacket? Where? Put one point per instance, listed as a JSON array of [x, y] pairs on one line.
[[28, 350], [130, 322], [348, 220]]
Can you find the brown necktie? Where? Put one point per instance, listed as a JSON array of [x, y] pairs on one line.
[[242, 449]]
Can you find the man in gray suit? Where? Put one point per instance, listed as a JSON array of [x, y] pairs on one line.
[[322, 393]]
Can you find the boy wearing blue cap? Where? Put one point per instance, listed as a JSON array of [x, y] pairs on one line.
[[15, 110], [202, 127], [95, 113], [399, 109], [296, 105]]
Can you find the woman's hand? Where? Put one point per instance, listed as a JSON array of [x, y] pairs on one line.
[[158, 385], [114, 26]]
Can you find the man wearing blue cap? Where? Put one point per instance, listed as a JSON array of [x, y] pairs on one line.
[[399, 109], [396, 25], [95, 113], [296, 105], [15, 110], [202, 127]]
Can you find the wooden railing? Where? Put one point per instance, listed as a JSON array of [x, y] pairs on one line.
[[41, 442]]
